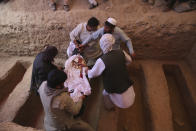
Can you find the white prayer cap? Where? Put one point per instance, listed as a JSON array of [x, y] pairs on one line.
[[112, 21], [106, 42]]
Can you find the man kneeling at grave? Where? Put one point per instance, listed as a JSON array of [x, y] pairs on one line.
[[118, 89], [58, 106]]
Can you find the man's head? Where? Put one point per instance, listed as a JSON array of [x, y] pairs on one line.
[[92, 24], [106, 42], [49, 53], [56, 79], [109, 26]]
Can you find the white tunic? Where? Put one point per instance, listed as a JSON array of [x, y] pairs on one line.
[[124, 100], [81, 33], [78, 33]]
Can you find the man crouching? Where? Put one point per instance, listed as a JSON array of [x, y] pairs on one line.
[[58, 106], [118, 87]]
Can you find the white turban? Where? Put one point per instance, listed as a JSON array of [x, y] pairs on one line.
[[106, 42]]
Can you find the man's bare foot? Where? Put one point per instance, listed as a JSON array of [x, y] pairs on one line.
[[93, 6], [53, 6], [66, 8]]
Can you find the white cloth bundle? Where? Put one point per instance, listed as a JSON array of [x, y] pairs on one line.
[[78, 85]]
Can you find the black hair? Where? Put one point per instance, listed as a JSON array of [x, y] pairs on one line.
[[55, 78], [49, 53], [109, 24], [93, 22]]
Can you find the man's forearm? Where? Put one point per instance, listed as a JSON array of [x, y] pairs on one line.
[[93, 36], [87, 40], [72, 36], [97, 69], [130, 47]]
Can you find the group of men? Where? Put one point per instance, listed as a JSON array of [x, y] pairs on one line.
[[107, 59], [177, 5], [66, 5], [4, 1]]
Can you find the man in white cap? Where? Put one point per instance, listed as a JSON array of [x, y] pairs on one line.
[[118, 89], [118, 34]]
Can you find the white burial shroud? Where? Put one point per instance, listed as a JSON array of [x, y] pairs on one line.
[[76, 82]]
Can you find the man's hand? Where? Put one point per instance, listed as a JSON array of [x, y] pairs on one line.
[[133, 55], [60, 68], [82, 97], [86, 70], [76, 42], [81, 46]]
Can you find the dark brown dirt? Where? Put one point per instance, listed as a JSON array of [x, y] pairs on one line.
[[181, 102], [108, 119], [31, 113], [10, 126], [26, 26], [137, 117], [92, 103], [9, 82]]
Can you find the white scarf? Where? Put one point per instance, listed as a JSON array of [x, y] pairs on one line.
[[106, 42]]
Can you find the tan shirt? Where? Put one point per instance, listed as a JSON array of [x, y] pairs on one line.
[[59, 108]]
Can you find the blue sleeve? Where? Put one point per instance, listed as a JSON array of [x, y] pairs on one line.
[[94, 36], [126, 40]]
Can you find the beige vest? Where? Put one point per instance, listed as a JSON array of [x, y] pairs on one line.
[[55, 119]]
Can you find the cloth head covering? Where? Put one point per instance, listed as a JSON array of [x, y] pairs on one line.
[[49, 53], [112, 21], [55, 78], [106, 42]]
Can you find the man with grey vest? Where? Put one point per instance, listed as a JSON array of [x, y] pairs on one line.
[[58, 106], [118, 89]]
